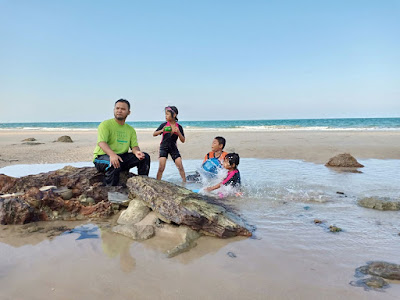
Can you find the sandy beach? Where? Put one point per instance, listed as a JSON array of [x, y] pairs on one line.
[[311, 146]]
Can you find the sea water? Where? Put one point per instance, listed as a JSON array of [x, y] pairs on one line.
[[247, 125], [289, 256]]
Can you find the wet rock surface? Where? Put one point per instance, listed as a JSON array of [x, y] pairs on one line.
[[135, 232], [67, 194], [344, 160], [178, 205], [379, 203], [154, 207], [379, 271], [135, 212]]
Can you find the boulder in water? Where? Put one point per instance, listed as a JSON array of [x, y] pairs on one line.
[[381, 269], [379, 203], [178, 205], [344, 160]]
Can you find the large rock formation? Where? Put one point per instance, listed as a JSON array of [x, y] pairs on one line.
[[77, 193], [178, 205], [344, 160], [23, 202]]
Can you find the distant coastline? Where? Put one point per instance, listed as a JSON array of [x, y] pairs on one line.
[[357, 124]]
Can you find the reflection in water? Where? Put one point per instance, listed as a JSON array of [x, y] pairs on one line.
[[85, 232], [115, 244]]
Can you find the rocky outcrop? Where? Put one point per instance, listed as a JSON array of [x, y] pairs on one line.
[[86, 181], [77, 193], [65, 139], [178, 205], [64, 196], [381, 269], [379, 203], [344, 160]]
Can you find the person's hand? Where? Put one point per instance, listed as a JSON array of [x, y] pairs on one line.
[[114, 160], [174, 129], [140, 155], [209, 189]]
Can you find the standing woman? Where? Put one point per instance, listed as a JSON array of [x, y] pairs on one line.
[[170, 131]]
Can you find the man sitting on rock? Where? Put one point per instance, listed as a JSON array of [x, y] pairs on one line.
[[114, 139]]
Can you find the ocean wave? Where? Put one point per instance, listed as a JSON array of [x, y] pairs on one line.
[[232, 128], [47, 129], [290, 128]]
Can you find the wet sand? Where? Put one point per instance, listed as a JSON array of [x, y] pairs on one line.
[[312, 146], [289, 258]]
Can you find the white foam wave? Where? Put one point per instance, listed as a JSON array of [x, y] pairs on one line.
[[237, 128], [290, 128]]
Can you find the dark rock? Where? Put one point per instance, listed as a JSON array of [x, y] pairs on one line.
[[65, 139], [379, 203], [29, 140], [317, 221], [334, 229], [344, 160], [32, 143], [382, 269], [231, 254], [175, 204], [48, 204], [16, 211]]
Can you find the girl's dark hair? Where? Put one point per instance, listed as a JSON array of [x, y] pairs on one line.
[[233, 158], [173, 110], [221, 141], [123, 101]]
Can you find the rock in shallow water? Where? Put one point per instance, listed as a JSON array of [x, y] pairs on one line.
[[135, 232], [181, 206], [135, 212], [379, 203], [375, 282], [344, 160], [382, 269]]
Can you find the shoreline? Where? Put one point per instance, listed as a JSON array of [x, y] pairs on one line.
[[307, 145]]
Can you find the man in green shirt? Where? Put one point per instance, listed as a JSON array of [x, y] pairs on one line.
[[114, 140]]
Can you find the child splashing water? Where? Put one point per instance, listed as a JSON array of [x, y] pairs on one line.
[[231, 162], [170, 130]]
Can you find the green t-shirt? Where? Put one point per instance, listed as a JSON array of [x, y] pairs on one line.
[[119, 137]]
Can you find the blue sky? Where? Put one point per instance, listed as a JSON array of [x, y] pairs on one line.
[[70, 60]]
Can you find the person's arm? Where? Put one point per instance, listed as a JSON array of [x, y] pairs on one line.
[[114, 158], [160, 129], [214, 187], [158, 132]]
